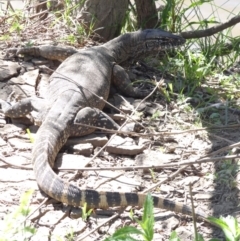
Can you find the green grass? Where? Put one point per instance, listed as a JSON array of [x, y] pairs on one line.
[[146, 230], [15, 226], [225, 174]]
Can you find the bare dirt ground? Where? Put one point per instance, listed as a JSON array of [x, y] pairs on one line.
[[215, 180]]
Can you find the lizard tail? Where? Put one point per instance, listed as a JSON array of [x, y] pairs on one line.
[[44, 156]]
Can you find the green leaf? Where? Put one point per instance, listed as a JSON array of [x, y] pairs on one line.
[[229, 225], [147, 223], [127, 230], [174, 237], [199, 237], [123, 234]]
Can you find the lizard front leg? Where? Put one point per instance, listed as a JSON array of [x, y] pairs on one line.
[[122, 82]]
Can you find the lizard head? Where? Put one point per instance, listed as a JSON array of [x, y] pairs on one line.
[[142, 43], [153, 41], [159, 39]]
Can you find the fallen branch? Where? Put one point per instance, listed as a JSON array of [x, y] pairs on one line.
[[211, 31], [170, 165]]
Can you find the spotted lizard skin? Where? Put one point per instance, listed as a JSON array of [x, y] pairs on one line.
[[73, 98]]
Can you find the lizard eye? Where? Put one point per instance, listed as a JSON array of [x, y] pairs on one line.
[[150, 44]]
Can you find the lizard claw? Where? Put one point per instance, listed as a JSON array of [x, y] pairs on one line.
[[141, 93]]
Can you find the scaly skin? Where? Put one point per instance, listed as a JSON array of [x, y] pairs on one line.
[[72, 99]]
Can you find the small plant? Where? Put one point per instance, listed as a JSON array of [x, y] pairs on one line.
[[229, 226], [5, 37], [156, 115], [146, 224], [15, 22], [30, 136], [226, 174], [86, 213], [153, 175], [15, 225], [174, 237]]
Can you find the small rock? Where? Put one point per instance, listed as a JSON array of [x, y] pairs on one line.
[[20, 144], [8, 69], [143, 141], [184, 234], [14, 175], [204, 196], [140, 105], [115, 226], [168, 224], [31, 77], [2, 142], [166, 188], [123, 103], [28, 66], [70, 161], [17, 80], [24, 91], [20, 160], [85, 149], [131, 127], [5, 91], [155, 158], [124, 146], [42, 233], [2, 121], [102, 153], [9, 128], [188, 180], [62, 229], [94, 139]]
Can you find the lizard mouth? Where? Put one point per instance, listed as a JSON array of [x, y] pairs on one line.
[[163, 44]]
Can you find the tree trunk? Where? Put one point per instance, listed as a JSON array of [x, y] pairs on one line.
[[42, 6], [147, 16], [104, 17]]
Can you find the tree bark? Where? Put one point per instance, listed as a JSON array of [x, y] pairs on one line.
[[104, 17], [147, 16]]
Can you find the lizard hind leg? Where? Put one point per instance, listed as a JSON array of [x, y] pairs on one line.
[[21, 108], [92, 117]]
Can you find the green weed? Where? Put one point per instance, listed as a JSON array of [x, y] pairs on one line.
[[146, 225], [30, 136], [230, 227], [226, 174], [15, 226], [86, 213], [228, 224], [5, 37]]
